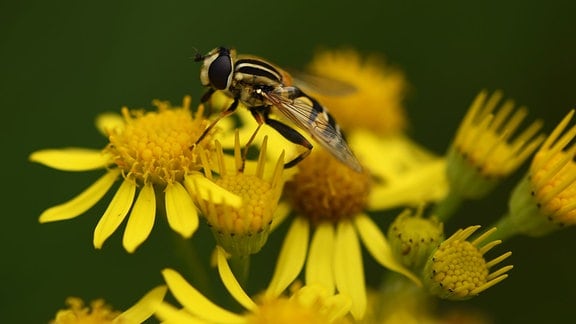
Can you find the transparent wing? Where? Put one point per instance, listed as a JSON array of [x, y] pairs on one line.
[[321, 84], [308, 114]]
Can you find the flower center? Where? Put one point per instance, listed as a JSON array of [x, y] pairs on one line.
[[459, 267], [156, 146], [326, 190], [259, 201], [78, 313]]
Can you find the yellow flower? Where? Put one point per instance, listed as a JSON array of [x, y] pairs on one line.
[[243, 230], [545, 199], [308, 304], [458, 269], [100, 313], [486, 149], [483, 151], [378, 91], [333, 200], [153, 152]]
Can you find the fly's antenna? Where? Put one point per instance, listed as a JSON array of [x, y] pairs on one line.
[[197, 56]]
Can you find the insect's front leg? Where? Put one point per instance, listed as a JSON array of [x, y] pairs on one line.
[[230, 110], [204, 99]]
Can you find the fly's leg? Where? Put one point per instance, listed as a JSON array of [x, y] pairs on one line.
[[205, 97], [223, 114], [293, 136]]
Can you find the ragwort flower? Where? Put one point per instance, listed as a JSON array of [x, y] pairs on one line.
[[307, 304], [101, 313], [333, 200], [458, 270], [545, 199], [486, 149], [154, 153]]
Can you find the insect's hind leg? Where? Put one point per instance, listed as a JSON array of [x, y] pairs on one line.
[[293, 136]]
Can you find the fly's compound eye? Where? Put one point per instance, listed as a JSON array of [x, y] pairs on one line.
[[220, 72]]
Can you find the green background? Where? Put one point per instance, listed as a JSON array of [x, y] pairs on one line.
[[64, 62]]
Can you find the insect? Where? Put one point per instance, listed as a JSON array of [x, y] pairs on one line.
[[264, 88]]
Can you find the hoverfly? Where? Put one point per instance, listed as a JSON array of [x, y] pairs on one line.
[[264, 88]]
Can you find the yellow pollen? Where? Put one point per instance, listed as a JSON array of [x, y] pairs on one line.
[[259, 201], [78, 313], [326, 190], [156, 146]]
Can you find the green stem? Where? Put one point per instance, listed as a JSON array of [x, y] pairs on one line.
[[240, 265], [197, 273], [447, 207], [505, 228]]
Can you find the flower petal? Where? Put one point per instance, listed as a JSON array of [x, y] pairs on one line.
[[280, 214], [169, 314], [141, 219], [144, 308], [180, 210], [195, 302], [72, 159], [349, 268], [231, 283], [292, 256], [198, 184], [425, 183], [110, 122], [115, 213], [376, 243], [84, 201], [320, 263]]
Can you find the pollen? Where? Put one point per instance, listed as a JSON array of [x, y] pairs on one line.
[[458, 269], [158, 146], [326, 190], [78, 313]]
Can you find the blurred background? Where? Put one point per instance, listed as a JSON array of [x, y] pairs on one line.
[[64, 62]]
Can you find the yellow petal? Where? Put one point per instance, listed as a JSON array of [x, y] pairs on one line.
[[144, 308], [376, 243], [170, 315], [141, 219], [115, 213], [180, 210], [195, 302], [349, 268], [280, 214], [198, 184], [231, 283], [291, 258], [84, 201], [110, 122], [320, 264], [425, 183], [72, 159]]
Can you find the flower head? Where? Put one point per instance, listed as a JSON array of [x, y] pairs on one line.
[[376, 93], [154, 153], [413, 238], [483, 151], [334, 201], [458, 269], [307, 304], [243, 230], [100, 313], [545, 199]]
